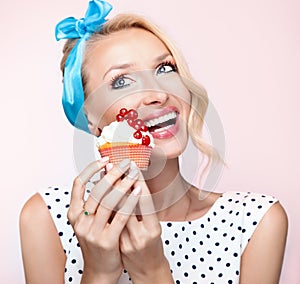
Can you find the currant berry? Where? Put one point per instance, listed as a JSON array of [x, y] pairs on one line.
[[130, 122], [132, 114], [137, 135], [144, 128], [123, 111], [138, 123], [146, 140], [119, 117]]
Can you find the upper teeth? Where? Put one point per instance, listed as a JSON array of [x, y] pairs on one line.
[[161, 119]]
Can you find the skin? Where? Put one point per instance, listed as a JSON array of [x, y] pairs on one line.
[[135, 244]]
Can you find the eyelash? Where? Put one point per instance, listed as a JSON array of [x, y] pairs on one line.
[[114, 79], [168, 63]]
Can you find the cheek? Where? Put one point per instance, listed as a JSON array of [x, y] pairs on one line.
[[172, 84]]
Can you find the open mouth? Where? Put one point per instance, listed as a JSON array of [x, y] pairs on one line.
[[162, 123]]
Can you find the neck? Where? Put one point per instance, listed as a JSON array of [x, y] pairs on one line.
[[168, 189]]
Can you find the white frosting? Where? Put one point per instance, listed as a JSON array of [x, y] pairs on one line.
[[121, 132]]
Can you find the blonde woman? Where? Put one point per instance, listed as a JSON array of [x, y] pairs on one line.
[[90, 233]]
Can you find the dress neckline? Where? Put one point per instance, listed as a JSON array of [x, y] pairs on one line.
[[205, 215]]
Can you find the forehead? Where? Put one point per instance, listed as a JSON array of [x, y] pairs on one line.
[[133, 45]]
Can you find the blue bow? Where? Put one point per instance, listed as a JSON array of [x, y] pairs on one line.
[[73, 95]]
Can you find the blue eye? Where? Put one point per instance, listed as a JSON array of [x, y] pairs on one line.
[[166, 67], [120, 81]]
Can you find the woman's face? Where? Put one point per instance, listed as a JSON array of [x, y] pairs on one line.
[[133, 69]]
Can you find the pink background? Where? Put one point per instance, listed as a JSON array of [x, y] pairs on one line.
[[246, 54]]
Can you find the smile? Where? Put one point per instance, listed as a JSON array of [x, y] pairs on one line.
[[164, 126]]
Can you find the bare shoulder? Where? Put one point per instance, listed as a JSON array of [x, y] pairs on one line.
[[42, 251], [34, 205], [263, 257]]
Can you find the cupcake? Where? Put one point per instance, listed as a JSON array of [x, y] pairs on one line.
[[127, 137]]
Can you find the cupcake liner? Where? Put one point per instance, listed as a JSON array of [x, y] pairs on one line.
[[140, 154]]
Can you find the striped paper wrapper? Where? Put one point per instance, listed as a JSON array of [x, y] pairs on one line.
[[140, 154]]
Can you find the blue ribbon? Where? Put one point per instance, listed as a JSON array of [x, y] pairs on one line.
[[73, 94]]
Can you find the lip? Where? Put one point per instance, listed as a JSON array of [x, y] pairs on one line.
[[160, 112], [170, 132]]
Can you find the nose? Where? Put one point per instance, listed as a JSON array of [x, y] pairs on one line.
[[155, 97]]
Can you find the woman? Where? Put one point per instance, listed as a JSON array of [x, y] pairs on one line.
[[181, 234]]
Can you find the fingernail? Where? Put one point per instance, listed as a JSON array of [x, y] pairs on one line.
[[124, 164], [104, 159], [137, 190], [133, 165], [109, 166], [133, 173]]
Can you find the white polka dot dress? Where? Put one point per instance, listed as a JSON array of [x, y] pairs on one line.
[[207, 250]]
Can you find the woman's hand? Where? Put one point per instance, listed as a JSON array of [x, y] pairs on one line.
[[97, 232], [141, 245]]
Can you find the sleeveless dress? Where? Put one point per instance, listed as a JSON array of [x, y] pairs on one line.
[[206, 250]]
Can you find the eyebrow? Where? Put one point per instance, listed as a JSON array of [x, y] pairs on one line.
[[128, 65]]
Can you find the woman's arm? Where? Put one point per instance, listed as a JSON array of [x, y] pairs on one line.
[[263, 256], [42, 252]]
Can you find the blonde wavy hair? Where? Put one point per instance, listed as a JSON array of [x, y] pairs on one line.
[[199, 98]]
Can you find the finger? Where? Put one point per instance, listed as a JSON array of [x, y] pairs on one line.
[[146, 202], [77, 194], [104, 185], [91, 169], [124, 214], [125, 241]]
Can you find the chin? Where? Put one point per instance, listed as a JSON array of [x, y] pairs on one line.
[[170, 148]]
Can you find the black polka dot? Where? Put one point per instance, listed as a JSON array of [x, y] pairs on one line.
[[169, 224]]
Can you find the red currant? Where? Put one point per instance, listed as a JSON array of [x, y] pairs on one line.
[[138, 123], [137, 135], [144, 128], [146, 140], [123, 111], [132, 114], [130, 121], [119, 117]]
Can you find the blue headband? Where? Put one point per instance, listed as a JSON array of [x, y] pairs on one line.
[[73, 95]]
